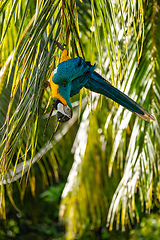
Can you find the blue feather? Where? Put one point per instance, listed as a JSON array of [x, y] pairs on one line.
[[98, 84], [75, 73]]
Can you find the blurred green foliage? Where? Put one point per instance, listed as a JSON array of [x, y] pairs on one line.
[[38, 216], [112, 156], [147, 229]]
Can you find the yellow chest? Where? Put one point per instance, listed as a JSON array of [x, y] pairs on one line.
[[54, 87], [55, 93]]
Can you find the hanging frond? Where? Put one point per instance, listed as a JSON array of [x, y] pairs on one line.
[[135, 60], [28, 68], [141, 172], [116, 155]]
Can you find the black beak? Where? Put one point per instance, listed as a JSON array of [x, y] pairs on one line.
[[61, 117], [64, 112]]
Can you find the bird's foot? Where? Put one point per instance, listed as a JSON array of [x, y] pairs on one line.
[[60, 46]]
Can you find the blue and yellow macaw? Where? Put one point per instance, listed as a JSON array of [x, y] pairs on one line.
[[72, 74]]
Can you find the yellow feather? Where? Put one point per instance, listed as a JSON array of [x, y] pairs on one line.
[[54, 87], [64, 56], [55, 93]]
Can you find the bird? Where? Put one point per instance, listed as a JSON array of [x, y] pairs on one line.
[[72, 74]]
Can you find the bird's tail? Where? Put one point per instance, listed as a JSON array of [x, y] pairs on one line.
[[98, 84]]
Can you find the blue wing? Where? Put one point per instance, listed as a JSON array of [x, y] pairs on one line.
[[75, 73], [68, 71], [98, 84]]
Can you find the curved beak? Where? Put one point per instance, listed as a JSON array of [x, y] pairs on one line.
[[64, 112], [61, 117]]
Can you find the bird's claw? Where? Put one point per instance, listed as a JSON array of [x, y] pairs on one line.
[[60, 46]]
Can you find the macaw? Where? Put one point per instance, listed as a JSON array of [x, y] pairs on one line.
[[72, 74]]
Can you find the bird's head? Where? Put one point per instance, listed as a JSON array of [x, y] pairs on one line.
[[64, 112]]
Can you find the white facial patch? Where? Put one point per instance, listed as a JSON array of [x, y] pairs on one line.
[[60, 108], [55, 70]]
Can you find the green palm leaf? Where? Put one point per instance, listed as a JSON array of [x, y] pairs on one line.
[[137, 159], [122, 37]]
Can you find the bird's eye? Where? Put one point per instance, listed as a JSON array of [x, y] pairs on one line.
[[55, 104]]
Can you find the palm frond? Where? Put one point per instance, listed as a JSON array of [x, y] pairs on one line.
[[124, 33], [133, 150], [29, 69], [141, 172]]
